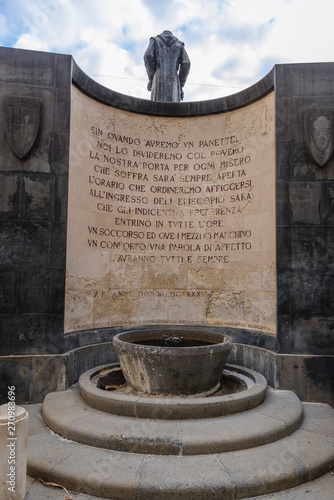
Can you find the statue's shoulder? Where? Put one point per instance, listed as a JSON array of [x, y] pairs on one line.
[[168, 39]]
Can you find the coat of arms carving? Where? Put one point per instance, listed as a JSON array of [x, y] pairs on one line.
[[22, 122], [319, 133]]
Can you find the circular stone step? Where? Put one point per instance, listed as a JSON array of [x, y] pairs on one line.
[[68, 415], [173, 408], [301, 457]]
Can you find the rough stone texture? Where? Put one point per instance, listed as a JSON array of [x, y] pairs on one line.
[[209, 256], [305, 215], [158, 369], [278, 416], [35, 376], [33, 206], [298, 458], [169, 407], [321, 488], [38, 490], [311, 377]]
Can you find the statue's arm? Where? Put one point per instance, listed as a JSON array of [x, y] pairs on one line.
[[150, 60], [184, 67]]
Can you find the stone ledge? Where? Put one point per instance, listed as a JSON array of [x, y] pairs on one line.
[[173, 408], [278, 416], [321, 488], [182, 109], [57, 372], [301, 457]]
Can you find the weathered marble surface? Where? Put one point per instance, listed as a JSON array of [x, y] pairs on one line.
[[171, 220]]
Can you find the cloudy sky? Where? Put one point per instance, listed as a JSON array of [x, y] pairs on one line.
[[231, 43]]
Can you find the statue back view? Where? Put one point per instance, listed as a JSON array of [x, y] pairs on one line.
[[167, 65]]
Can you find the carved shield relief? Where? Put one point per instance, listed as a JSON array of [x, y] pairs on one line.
[[22, 120], [319, 133]]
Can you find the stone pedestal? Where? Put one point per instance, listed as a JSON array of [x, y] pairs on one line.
[[121, 445], [13, 457]]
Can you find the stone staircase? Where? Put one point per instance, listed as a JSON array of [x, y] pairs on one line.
[[274, 444]]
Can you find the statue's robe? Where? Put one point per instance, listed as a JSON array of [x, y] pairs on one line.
[[167, 65]]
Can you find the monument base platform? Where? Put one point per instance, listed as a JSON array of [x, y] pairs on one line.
[[277, 445], [319, 488]]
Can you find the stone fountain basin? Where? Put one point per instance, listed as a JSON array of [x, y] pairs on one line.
[[151, 368]]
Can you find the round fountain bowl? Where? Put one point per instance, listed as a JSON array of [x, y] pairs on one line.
[[152, 368]]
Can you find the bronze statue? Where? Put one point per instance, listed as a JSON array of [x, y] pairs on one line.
[[167, 65]]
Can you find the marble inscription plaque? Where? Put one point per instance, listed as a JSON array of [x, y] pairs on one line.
[[171, 220]]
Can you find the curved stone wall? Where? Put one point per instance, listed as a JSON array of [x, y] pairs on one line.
[[171, 215]]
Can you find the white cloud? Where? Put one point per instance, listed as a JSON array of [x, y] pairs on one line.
[[303, 32], [231, 43], [28, 41]]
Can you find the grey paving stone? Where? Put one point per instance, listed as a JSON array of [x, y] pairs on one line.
[[263, 470]]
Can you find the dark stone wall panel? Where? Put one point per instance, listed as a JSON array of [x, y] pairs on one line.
[[59, 153], [308, 293], [303, 79], [24, 243], [60, 199], [283, 160], [8, 287], [316, 331], [311, 377], [58, 246], [15, 371], [10, 196], [63, 67], [34, 290], [33, 377], [62, 111], [36, 69], [33, 205], [304, 213], [282, 203], [312, 248], [284, 292], [57, 291], [30, 333], [37, 197], [304, 202], [327, 203]]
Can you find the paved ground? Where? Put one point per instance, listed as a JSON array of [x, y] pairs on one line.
[[320, 489], [39, 491]]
